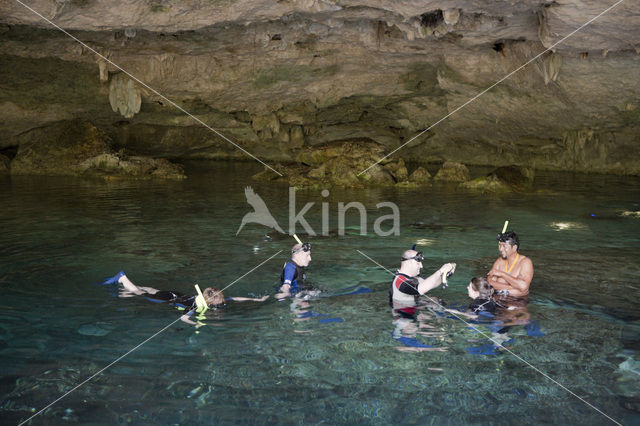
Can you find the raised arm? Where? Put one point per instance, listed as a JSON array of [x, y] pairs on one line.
[[434, 280]]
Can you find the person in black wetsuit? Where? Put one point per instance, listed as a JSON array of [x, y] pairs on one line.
[[407, 285], [213, 297], [481, 292]]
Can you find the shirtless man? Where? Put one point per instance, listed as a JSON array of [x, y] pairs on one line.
[[511, 273]]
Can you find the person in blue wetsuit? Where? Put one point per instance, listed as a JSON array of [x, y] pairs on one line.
[[293, 275]]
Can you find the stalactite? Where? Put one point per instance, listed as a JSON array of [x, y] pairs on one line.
[[124, 96], [550, 67]]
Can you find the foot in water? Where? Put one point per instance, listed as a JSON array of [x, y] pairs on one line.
[[114, 279]]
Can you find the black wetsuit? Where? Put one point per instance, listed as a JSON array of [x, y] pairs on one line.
[[403, 284], [484, 305], [174, 298]]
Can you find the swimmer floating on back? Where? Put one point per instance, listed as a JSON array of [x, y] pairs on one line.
[[212, 296]]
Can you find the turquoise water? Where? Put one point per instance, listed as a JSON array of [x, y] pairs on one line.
[[332, 359]]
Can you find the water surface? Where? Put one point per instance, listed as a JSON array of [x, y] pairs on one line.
[[335, 359]]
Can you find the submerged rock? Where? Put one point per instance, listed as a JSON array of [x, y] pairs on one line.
[[111, 165], [452, 172], [339, 163], [80, 148], [502, 179], [486, 184]]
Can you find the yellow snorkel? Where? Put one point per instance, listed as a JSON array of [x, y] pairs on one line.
[[297, 239], [449, 270], [504, 229], [201, 303]]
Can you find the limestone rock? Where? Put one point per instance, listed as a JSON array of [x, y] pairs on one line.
[[81, 149], [486, 184], [334, 71], [58, 149], [4, 164], [124, 95], [502, 179], [111, 165], [452, 172], [420, 176], [338, 163], [398, 170], [515, 176]]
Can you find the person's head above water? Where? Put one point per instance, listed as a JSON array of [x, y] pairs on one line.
[[480, 287], [508, 243], [213, 297], [411, 263], [301, 254]]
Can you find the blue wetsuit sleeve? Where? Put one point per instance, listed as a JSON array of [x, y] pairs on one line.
[[289, 273]]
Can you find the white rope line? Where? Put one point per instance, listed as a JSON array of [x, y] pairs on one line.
[[492, 86], [503, 347], [100, 371], [152, 89], [256, 267], [139, 345]]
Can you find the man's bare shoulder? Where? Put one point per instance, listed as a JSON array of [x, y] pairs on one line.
[[526, 260]]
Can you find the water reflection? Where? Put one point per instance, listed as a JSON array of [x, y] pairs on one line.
[[353, 361]]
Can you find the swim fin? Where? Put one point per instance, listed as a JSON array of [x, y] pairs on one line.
[[113, 280]]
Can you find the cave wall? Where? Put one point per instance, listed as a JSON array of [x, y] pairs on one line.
[[275, 77]]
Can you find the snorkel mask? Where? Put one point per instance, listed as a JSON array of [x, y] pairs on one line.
[[419, 257], [305, 247], [509, 237]]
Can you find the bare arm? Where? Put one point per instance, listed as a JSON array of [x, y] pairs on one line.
[[285, 291], [518, 285], [433, 281], [249, 299]]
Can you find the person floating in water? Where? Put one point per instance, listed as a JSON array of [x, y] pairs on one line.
[[293, 275], [481, 292], [511, 273], [407, 285], [212, 296]]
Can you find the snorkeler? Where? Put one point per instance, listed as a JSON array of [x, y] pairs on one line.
[[293, 274], [511, 273], [481, 292], [407, 285], [212, 296]]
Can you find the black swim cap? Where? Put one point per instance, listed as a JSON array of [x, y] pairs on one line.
[[509, 237]]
